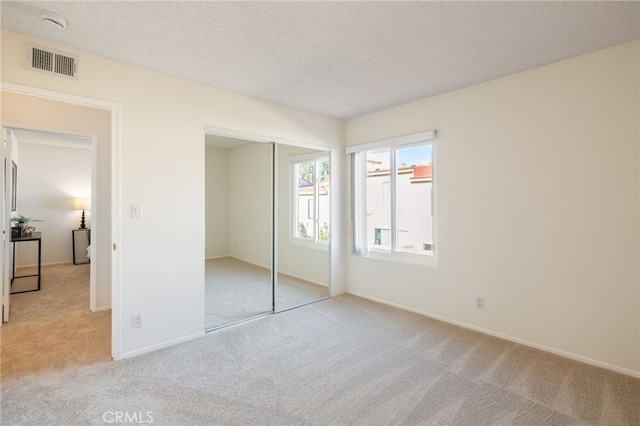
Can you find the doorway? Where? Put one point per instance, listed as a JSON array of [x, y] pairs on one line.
[[63, 113], [52, 180]]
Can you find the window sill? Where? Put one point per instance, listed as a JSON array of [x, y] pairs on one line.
[[310, 244], [405, 258]]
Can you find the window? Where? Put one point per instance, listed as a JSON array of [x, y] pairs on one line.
[[310, 201], [393, 198]]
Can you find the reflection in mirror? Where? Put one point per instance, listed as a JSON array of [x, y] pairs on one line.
[[238, 250], [304, 188]]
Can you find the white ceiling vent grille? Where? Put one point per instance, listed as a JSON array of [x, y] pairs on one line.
[[52, 62]]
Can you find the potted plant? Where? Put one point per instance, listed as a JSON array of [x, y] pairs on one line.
[[21, 222]]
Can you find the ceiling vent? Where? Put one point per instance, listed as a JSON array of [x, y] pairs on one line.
[[53, 62]]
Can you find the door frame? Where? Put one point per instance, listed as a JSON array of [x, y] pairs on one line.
[[114, 109], [95, 219], [7, 204]]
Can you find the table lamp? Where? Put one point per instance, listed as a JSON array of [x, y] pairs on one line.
[[82, 204]]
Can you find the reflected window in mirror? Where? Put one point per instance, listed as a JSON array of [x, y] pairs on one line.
[[311, 187]]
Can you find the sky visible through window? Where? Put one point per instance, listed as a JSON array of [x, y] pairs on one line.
[[414, 156], [405, 157]]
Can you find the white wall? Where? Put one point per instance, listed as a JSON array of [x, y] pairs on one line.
[[49, 178], [250, 205], [49, 115], [216, 202], [162, 168], [538, 184]]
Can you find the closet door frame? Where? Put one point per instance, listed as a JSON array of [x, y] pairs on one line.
[[275, 141]]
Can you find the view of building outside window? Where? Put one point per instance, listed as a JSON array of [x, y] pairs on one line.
[[312, 202], [412, 193], [379, 199]]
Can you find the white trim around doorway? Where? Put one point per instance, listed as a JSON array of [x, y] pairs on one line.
[[114, 108]]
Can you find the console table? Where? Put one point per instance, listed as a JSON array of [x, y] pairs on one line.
[[36, 236]]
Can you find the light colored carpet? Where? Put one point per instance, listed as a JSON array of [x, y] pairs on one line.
[[294, 291], [53, 329], [237, 290], [342, 361]]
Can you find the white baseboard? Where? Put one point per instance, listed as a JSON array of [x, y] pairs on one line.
[[280, 272], [549, 349], [250, 262], [102, 308], [303, 279], [237, 258], [160, 346], [69, 262], [34, 265]]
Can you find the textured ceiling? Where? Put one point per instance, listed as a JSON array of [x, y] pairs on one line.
[[341, 59]]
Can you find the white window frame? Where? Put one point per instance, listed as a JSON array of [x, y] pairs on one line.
[[293, 228], [359, 199]]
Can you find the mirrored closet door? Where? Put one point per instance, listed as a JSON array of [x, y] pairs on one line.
[[267, 228], [303, 212], [238, 247]]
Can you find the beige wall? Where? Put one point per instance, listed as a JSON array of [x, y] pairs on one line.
[[250, 203], [537, 207], [217, 203]]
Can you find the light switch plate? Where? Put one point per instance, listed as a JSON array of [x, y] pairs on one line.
[[136, 211]]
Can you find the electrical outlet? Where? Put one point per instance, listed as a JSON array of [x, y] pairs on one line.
[[479, 302], [136, 320]]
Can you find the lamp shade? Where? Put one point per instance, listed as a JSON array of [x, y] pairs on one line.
[[82, 203]]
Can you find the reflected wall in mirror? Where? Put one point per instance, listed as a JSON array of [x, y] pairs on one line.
[[304, 188], [238, 226]]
